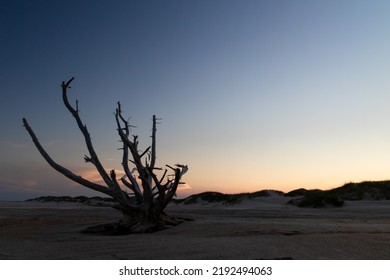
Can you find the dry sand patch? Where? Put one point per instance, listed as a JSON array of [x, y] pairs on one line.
[[263, 229]]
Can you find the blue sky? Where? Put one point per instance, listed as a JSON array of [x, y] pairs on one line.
[[252, 94]]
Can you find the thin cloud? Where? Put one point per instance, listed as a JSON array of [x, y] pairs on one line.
[[184, 187], [15, 184], [93, 175]]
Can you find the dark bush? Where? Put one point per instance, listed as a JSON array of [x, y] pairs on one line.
[[318, 200]]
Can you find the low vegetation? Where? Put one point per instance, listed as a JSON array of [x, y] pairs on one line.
[[94, 201], [315, 198], [318, 199], [371, 190], [210, 197]]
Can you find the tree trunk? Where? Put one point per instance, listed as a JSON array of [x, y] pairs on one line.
[[149, 218]]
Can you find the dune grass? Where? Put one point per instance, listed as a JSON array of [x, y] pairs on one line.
[[372, 190]]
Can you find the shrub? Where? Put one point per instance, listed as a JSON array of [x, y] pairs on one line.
[[318, 200]]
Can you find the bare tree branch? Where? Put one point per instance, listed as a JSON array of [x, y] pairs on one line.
[[153, 155], [93, 158], [124, 133], [61, 169]]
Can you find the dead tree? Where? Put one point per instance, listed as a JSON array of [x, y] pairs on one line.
[[141, 193]]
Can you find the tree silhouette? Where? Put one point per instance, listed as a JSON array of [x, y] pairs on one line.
[[143, 195]]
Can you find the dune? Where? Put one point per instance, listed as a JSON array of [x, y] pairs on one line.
[[263, 227]]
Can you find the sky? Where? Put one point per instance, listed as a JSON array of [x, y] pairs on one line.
[[252, 94]]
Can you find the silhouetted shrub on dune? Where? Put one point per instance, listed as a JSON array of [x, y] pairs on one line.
[[378, 190], [94, 201], [263, 193], [215, 197], [300, 197], [210, 197], [318, 199]]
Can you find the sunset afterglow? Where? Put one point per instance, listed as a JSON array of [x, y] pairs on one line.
[[252, 94]]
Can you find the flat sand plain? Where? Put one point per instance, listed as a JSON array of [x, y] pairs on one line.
[[261, 228]]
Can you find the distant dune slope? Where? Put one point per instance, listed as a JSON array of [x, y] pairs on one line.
[[369, 190]]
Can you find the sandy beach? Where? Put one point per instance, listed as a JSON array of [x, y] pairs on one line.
[[260, 228]]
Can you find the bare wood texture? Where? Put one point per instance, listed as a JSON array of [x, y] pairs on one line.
[[143, 208]]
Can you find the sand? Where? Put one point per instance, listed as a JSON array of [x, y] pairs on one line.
[[262, 228]]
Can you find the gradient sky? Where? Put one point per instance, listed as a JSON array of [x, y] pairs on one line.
[[252, 94]]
